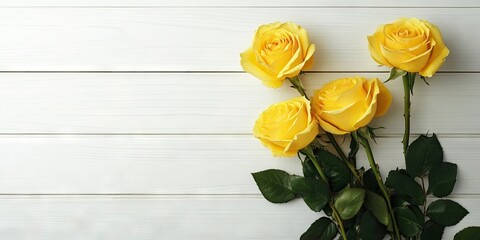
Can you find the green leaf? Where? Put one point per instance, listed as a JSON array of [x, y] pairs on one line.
[[432, 230], [424, 153], [469, 233], [442, 178], [396, 73], [398, 201], [350, 222], [335, 169], [370, 228], [418, 214], [309, 169], [377, 205], [322, 229], [327, 210], [446, 212], [274, 185], [405, 186], [349, 202], [370, 181], [407, 221], [314, 191], [352, 234]]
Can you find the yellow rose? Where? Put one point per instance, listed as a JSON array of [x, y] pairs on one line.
[[279, 50], [346, 104], [286, 127], [409, 44]]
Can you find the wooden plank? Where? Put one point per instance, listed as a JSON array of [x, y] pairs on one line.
[[186, 39], [205, 103], [166, 217], [230, 3], [176, 164]]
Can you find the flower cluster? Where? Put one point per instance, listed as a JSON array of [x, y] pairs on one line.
[[358, 203]]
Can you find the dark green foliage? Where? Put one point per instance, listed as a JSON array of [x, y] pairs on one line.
[[335, 169], [322, 229], [442, 178], [274, 185], [469, 233], [314, 191], [405, 187], [423, 154], [446, 212], [349, 202], [432, 231]]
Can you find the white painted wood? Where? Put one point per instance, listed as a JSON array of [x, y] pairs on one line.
[[210, 39], [185, 137], [206, 103], [234, 3], [142, 218], [176, 164], [166, 217]]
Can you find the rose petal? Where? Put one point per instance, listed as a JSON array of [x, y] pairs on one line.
[[370, 104], [302, 36], [384, 99], [405, 60], [276, 149], [328, 127], [292, 68], [250, 65], [374, 43], [303, 138], [439, 53]]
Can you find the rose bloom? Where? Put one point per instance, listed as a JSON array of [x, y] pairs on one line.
[[344, 105], [409, 44], [279, 51], [286, 127]]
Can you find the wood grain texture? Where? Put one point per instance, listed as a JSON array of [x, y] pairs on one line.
[[176, 164], [186, 39], [206, 103], [148, 136], [166, 217], [234, 3]]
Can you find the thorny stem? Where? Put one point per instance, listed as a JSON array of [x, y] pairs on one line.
[[332, 140], [339, 220], [342, 155], [309, 152], [378, 177], [407, 85]]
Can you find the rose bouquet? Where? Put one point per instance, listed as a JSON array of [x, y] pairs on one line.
[[357, 202]]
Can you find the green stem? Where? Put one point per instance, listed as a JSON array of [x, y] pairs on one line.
[[342, 155], [309, 152], [378, 177], [339, 220], [406, 111], [332, 140], [297, 84]]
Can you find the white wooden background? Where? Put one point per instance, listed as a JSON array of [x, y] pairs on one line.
[[131, 119]]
